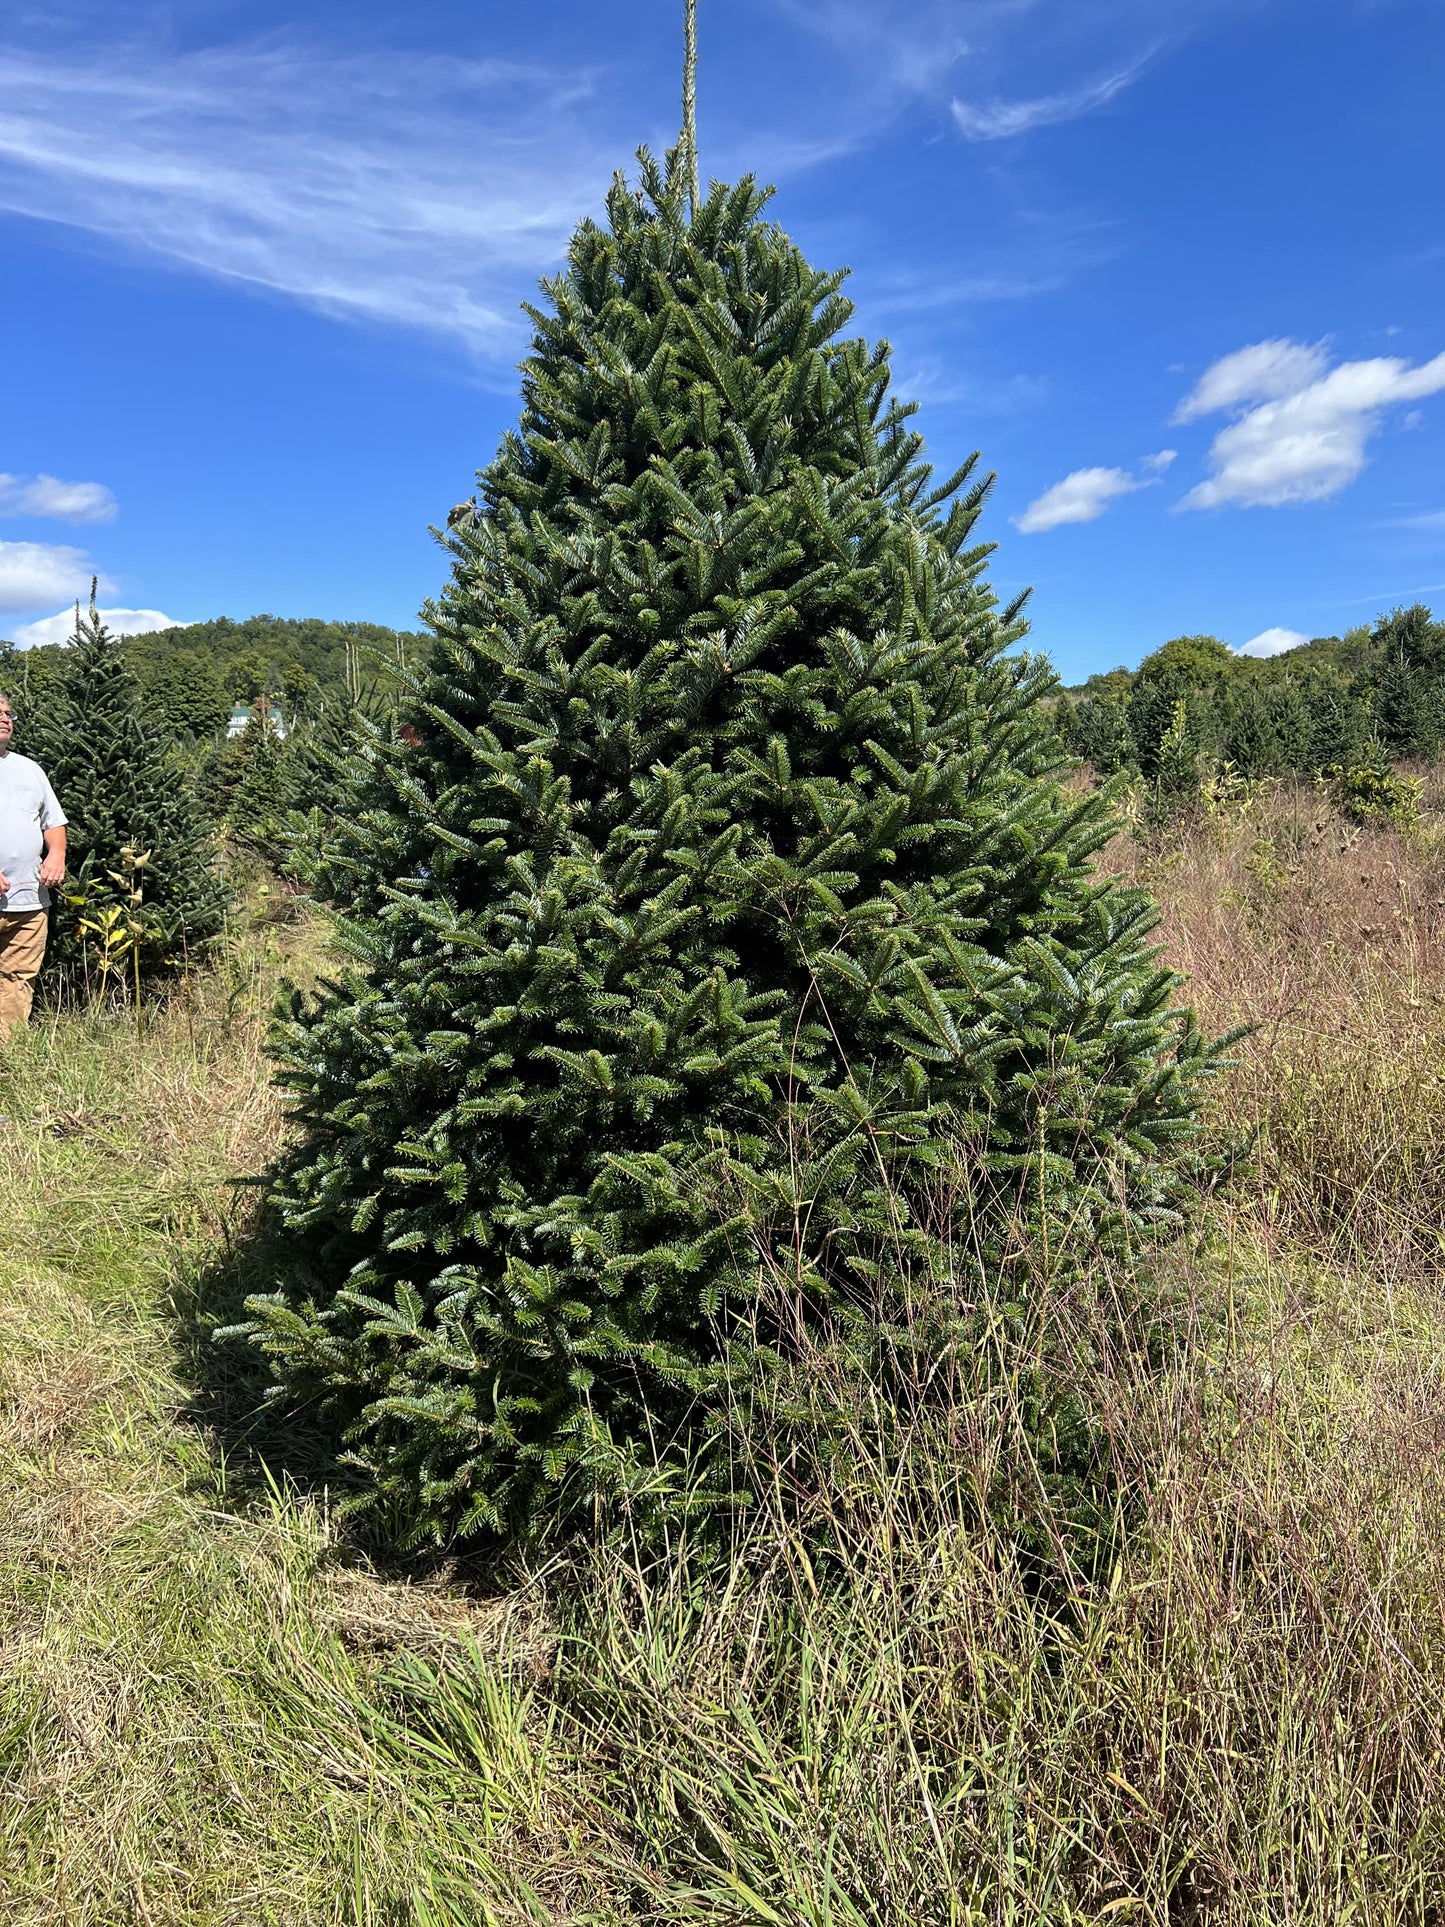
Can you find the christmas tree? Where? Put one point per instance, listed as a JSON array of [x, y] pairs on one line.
[[719, 908], [258, 781], [142, 896], [324, 749]]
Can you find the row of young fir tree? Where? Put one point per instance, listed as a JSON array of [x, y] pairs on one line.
[[151, 812], [1333, 705]]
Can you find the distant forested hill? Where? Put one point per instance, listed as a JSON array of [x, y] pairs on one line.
[[1376, 691], [194, 674]]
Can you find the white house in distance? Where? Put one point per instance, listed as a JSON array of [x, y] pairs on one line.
[[243, 713]]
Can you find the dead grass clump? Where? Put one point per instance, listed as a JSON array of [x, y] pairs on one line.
[[40, 1411], [438, 1614]]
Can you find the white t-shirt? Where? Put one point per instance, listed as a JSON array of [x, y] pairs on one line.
[[28, 808]]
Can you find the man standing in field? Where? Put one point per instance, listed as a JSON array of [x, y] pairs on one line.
[[32, 864]]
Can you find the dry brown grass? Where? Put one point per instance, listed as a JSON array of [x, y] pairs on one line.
[[1328, 940]]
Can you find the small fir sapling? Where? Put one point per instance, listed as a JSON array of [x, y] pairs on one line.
[[126, 794]]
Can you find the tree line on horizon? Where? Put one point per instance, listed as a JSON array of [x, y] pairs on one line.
[[1349, 706], [193, 676], [1364, 700], [306, 683], [1310, 709]]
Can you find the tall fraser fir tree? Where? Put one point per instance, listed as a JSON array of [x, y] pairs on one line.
[[126, 795], [719, 905]]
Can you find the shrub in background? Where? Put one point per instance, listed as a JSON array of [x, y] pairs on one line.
[[722, 899], [1371, 790], [1098, 731]]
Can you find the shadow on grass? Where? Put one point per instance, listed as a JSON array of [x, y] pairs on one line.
[[267, 1444]]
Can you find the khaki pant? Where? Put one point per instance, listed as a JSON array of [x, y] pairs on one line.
[[22, 951]]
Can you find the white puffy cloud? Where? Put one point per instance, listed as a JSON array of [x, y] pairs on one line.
[[56, 501], [121, 622], [1086, 493], [1272, 642], [1302, 429], [1257, 373], [34, 573], [1080, 497]]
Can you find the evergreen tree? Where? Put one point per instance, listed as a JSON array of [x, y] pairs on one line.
[[321, 753], [1294, 728], [1405, 713], [187, 696], [1267, 730], [718, 904], [126, 796], [1169, 721], [1339, 724], [1174, 766], [258, 784], [1413, 636], [1101, 734]]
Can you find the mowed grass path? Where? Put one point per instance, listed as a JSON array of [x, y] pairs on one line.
[[213, 1709], [206, 1714]]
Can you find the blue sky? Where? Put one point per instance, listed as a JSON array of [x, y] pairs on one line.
[[1176, 266]]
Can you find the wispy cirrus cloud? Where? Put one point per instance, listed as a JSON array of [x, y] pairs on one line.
[[1301, 427], [1042, 254], [1431, 522], [48, 498], [1020, 60], [902, 46], [992, 120], [428, 191], [419, 190], [409, 189]]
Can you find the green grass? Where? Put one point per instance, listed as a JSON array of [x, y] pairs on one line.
[[215, 1709], [206, 1714]]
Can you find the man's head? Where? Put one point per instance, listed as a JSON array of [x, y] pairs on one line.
[[7, 724]]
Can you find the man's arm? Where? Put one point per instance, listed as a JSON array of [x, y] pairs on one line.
[[52, 869]]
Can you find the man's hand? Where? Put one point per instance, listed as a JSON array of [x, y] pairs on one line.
[[4, 884], [52, 869]]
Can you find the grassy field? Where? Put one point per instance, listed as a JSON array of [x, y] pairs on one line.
[[214, 1708]]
